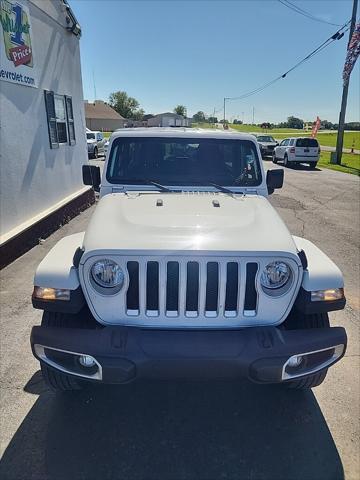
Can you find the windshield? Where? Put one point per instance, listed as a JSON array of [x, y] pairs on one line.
[[307, 142], [90, 136], [265, 138], [183, 161]]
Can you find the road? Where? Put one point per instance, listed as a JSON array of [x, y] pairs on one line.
[[333, 149], [190, 430]]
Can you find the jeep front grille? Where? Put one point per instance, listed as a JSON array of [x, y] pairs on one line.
[[191, 288]]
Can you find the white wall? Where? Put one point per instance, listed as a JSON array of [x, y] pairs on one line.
[[34, 177]]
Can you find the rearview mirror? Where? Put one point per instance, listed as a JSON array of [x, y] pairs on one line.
[[274, 179], [91, 176]]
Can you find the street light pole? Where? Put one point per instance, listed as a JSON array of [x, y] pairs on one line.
[[341, 127], [224, 108]]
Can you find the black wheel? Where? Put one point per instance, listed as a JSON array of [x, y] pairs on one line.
[[274, 159], [95, 152], [299, 321], [313, 165], [58, 381], [286, 162]]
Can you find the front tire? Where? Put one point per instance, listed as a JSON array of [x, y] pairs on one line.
[[286, 161], [95, 152], [54, 379], [274, 159], [299, 321], [313, 165]]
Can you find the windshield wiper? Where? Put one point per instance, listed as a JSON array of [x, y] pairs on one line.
[[158, 185], [223, 189], [147, 181]]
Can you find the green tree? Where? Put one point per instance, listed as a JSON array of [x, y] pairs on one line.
[[181, 110], [127, 107], [199, 117], [213, 120], [294, 122]]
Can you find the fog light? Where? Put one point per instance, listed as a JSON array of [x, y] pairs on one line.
[[86, 361], [295, 361]]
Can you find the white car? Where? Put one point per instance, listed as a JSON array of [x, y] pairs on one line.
[[186, 270], [95, 143], [292, 151], [106, 145]]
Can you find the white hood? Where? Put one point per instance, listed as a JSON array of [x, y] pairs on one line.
[[186, 221]]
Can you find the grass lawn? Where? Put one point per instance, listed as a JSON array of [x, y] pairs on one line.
[[327, 139], [350, 163]]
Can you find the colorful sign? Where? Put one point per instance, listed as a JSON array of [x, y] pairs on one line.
[[352, 54], [316, 127], [17, 63]]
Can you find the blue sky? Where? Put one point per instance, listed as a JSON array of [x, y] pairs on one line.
[[194, 53]]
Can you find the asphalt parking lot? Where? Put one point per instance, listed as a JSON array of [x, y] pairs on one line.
[[190, 430]]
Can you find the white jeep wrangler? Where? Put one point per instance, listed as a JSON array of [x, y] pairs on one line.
[[186, 270]]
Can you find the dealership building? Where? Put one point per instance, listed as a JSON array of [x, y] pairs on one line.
[[42, 122]]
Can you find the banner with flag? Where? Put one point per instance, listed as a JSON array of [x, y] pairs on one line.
[[352, 53], [316, 127]]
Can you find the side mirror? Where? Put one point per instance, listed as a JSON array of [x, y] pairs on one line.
[[274, 179], [91, 176]]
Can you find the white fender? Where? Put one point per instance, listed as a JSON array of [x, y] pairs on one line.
[[57, 270], [321, 273]]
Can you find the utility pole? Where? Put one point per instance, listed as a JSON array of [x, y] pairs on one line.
[[341, 127], [253, 116], [94, 85], [224, 108], [242, 117]]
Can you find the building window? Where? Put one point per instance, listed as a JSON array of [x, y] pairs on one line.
[[60, 118], [60, 114]]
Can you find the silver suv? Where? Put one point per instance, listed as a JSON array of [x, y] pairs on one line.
[[95, 143], [297, 150]]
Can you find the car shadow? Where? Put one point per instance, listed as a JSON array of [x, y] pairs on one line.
[[301, 166], [172, 430]]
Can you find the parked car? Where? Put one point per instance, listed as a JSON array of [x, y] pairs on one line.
[[267, 144], [95, 143], [106, 145], [177, 275], [293, 151]]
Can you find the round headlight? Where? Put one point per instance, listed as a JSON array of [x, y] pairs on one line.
[[107, 274], [275, 275]]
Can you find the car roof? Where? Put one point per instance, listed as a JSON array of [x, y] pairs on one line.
[[178, 132], [296, 138]]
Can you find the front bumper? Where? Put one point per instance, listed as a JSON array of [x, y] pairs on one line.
[[267, 151], [125, 353]]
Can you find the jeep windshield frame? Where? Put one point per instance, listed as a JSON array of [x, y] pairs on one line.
[[184, 162]]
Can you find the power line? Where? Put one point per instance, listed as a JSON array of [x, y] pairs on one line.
[[300, 11], [336, 36]]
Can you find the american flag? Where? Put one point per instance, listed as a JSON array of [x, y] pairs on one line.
[[352, 53]]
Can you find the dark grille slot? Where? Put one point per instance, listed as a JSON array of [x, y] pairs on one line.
[[232, 285], [152, 286], [172, 287], [250, 290], [212, 286], [192, 287], [132, 296]]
